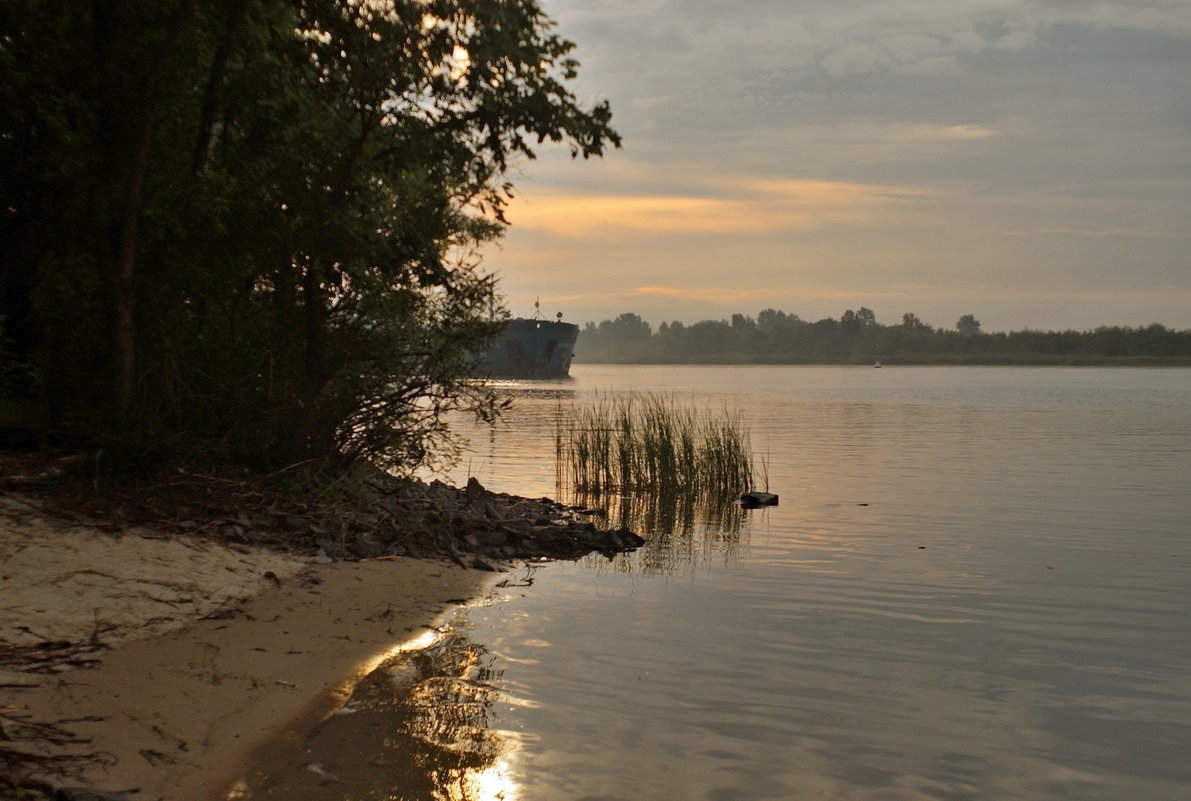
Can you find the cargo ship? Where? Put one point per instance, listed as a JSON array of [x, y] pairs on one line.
[[530, 347]]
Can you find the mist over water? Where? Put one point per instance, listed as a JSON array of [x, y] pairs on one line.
[[976, 586]]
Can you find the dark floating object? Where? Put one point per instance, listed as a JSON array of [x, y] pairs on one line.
[[751, 499]]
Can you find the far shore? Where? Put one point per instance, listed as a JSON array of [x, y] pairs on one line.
[[166, 663]]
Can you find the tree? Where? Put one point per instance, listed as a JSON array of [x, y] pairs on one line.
[[913, 322], [743, 323], [302, 189], [968, 325]]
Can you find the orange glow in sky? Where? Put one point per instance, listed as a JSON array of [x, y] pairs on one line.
[[999, 159]]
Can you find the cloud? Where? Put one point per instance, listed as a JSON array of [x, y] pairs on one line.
[[727, 206], [764, 295], [960, 149], [646, 103], [861, 36], [1102, 231], [953, 132], [713, 294]]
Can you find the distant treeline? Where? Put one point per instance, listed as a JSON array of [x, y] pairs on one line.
[[775, 337]]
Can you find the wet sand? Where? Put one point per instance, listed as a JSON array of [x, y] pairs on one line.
[[215, 650]]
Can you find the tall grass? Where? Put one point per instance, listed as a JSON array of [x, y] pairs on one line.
[[649, 443]]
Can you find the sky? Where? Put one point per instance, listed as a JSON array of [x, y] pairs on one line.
[[1024, 161]]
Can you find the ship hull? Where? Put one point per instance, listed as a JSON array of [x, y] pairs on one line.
[[528, 348]]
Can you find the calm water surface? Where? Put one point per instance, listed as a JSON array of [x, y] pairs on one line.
[[977, 586]]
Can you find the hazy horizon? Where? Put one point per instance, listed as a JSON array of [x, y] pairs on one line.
[[949, 325], [1025, 162]]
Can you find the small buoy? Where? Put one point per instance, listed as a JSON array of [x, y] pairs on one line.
[[758, 499]]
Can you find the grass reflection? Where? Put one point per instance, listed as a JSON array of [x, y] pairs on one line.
[[680, 530]]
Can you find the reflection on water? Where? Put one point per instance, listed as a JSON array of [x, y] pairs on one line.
[[420, 726], [561, 390], [518, 454], [976, 587], [680, 530]]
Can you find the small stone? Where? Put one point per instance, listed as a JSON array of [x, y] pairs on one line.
[[492, 538], [367, 549]]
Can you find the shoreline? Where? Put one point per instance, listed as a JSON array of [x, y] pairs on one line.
[[257, 646]]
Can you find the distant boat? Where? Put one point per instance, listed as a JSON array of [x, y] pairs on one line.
[[530, 347], [877, 363]]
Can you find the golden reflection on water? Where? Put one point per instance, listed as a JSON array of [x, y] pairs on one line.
[[491, 784], [419, 726], [423, 640]]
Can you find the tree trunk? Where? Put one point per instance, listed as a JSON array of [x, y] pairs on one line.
[[125, 285], [314, 371], [205, 140]]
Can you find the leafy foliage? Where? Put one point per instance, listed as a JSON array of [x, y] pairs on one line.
[[253, 228]]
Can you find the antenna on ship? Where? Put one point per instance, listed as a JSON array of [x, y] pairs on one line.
[[537, 309]]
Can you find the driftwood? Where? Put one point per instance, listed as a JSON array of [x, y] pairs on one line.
[[754, 499]]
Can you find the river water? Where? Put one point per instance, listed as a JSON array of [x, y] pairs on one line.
[[977, 585]]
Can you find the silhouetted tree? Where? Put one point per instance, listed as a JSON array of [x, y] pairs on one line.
[[857, 337], [914, 323], [968, 325], [251, 228]]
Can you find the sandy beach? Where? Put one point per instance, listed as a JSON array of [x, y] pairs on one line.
[[186, 656]]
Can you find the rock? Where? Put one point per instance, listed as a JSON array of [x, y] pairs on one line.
[[332, 548], [517, 528], [632, 539], [320, 770], [492, 538], [368, 549]]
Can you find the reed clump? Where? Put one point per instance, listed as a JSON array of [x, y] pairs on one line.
[[651, 443]]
